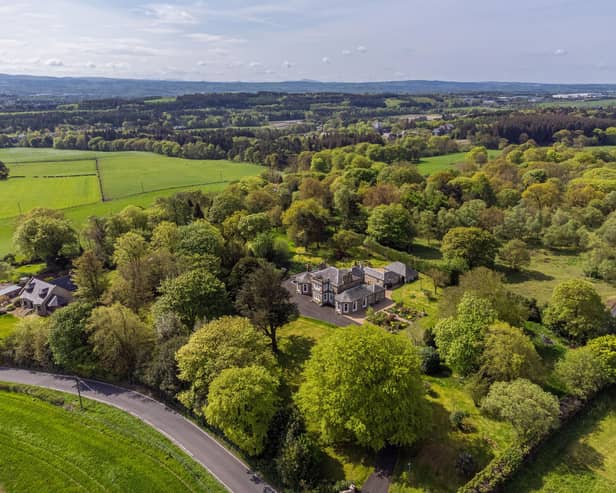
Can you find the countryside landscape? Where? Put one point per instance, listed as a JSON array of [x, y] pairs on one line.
[[242, 250]]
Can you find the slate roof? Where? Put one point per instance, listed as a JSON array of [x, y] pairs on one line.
[[36, 291], [65, 282], [402, 270], [375, 273], [304, 277], [331, 274], [11, 288], [353, 294]]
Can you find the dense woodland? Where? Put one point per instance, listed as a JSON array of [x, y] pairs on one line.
[[186, 296]]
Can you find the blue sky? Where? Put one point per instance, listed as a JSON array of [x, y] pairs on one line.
[[343, 40]]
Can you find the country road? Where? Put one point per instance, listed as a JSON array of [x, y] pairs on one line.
[[222, 464]]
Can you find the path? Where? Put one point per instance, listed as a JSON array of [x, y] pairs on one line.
[[380, 480], [222, 464]]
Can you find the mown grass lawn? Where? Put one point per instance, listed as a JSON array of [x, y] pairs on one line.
[[546, 270], [7, 325], [48, 444], [580, 458], [421, 296], [53, 168], [430, 165]]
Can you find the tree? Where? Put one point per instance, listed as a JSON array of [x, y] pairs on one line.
[[363, 384], [200, 238], [477, 155], [68, 337], [29, 343], [266, 302], [193, 296], [134, 284], [223, 343], [306, 221], [489, 285], [605, 348], [474, 246], [162, 370], [45, 234], [4, 171], [299, 459], [509, 354], [89, 276], [120, 341], [344, 241], [582, 372], [242, 403], [531, 410], [514, 254], [392, 226], [460, 339], [576, 310]]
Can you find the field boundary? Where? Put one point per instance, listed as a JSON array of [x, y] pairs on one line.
[[44, 161], [100, 180], [111, 199]]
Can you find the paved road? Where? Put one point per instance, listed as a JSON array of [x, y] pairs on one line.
[[228, 469], [380, 480]]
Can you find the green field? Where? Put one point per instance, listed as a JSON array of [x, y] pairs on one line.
[[129, 178], [580, 458], [48, 444], [429, 165], [19, 195]]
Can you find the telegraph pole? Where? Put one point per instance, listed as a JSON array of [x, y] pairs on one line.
[[79, 393]]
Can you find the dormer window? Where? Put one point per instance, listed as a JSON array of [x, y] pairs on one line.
[[44, 292]]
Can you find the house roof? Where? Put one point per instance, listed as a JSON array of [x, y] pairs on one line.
[[11, 288], [304, 277], [402, 270], [353, 294], [331, 274], [36, 291], [65, 282], [375, 273]]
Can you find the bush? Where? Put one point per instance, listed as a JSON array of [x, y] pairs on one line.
[[466, 464], [457, 418], [430, 361]]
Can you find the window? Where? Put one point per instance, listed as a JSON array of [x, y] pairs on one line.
[[305, 288], [365, 303], [345, 307], [355, 306], [338, 308]]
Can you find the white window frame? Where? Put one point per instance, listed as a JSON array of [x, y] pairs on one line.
[[355, 306], [345, 307], [365, 302], [305, 288]]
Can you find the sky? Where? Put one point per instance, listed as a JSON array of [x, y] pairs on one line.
[[328, 40]]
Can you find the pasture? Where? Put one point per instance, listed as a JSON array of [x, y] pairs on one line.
[[48, 444], [68, 180], [580, 458], [430, 165]]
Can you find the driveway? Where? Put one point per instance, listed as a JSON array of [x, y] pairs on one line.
[[309, 309], [221, 463]]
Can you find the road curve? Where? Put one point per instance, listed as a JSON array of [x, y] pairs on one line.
[[234, 474]]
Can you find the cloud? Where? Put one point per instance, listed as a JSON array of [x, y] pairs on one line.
[[54, 62], [213, 38], [255, 65], [326, 60], [201, 63], [90, 65], [561, 52], [287, 64], [362, 49], [346, 52], [165, 13]]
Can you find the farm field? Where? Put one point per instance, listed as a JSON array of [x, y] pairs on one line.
[[430, 165], [48, 444], [580, 458], [129, 178]]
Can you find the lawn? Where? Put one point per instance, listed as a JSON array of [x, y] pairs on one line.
[[48, 444], [130, 173], [12, 155], [580, 458], [429, 165], [19, 195], [7, 325], [432, 461], [419, 295], [546, 270], [53, 168]]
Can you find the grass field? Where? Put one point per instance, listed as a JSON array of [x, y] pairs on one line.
[[7, 325], [429, 165], [546, 270], [48, 444], [129, 178], [580, 458]]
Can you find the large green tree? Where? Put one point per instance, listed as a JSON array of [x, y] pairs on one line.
[[223, 343], [582, 372], [531, 410], [362, 384], [46, 234], [266, 302], [193, 296], [89, 276], [576, 310], [460, 339], [473, 246], [120, 340], [392, 226], [242, 403], [68, 337], [306, 221]]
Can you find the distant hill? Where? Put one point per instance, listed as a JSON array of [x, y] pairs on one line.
[[92, 87]]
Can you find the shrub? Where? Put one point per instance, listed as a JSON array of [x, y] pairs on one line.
[[466, 464], [457, 418], [430, 361]]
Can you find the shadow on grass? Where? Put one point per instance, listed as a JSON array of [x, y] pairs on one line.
[[526, 275], [426, 252], [294, 352]]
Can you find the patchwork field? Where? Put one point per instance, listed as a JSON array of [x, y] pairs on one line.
[[48, 444], [429, 165], [128, 178], [581, 458]]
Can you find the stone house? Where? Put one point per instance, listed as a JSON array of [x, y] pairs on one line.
[[45, 297]]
